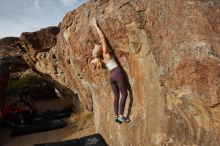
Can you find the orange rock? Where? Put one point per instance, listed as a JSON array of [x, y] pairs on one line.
[[170, 53]]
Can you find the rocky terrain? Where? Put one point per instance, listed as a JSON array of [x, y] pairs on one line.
[[169, 51]]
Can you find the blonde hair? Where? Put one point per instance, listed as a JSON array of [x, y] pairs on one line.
[[99, 63]]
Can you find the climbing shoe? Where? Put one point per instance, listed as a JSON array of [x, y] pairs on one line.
[[123, 119], [116, 120]]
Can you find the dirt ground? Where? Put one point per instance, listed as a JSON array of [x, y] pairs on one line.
[[71, 131]]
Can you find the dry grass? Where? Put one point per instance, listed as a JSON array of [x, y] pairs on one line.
[[82, 120]]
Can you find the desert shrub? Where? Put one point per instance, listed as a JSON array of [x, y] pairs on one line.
[[39, 87], [82, 119]]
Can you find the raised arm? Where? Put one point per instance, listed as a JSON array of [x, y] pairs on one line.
[[101, 36]]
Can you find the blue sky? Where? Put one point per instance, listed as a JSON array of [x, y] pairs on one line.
[[17, 16]]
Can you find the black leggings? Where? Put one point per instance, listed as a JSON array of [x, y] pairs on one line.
[[119, 85]]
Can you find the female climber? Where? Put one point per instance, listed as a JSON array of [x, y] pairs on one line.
[[117, 80]]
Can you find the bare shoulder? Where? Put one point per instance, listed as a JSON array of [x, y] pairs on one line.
[[107, 57]]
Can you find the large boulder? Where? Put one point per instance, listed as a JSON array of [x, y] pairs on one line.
[[37, 42], [10, 62], [170, 53], [39, 53], [10, 52], [4, 76]]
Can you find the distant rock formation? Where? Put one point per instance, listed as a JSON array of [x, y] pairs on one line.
[[4, 75], [38, 42], [11, 52], [10, 62], [170, 52]]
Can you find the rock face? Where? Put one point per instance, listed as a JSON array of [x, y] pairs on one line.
[[10, 62], [170, 53], [4, 75], [39, 53], [10, 52], [36, 42]]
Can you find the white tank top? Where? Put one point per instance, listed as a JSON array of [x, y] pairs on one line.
[[111, 64]]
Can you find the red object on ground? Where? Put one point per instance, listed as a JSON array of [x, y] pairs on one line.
[[11, 109]]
